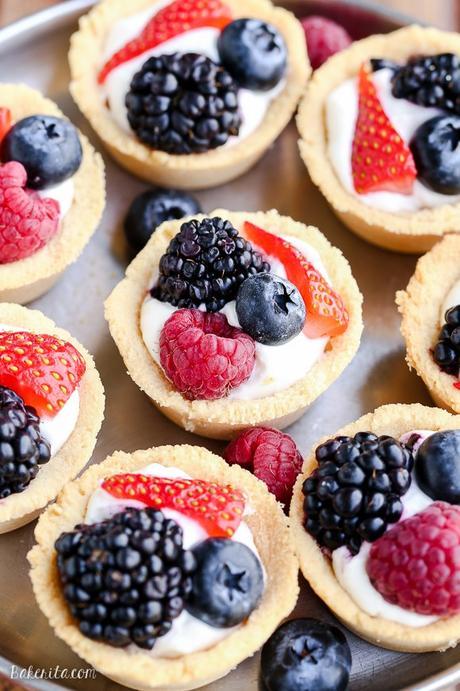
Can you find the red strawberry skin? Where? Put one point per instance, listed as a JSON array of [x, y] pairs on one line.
[[6, 121], [42, 369], [174, 19]]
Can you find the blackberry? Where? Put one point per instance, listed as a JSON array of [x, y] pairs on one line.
[[446, 352], [22, 448], [355, 491], [183, 103], [205, 263], [125, 579], [432, 80]]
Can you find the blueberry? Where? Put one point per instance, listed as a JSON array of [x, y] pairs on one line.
[[437, 466], [436, 151], [270, 309], [254, 53], [228, 583], [151, 208], [307, 655], [49, 148]]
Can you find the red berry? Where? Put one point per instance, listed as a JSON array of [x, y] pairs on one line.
[[380, 159], [324, 38], [218, 508], [27, 222], [203, 355], [271, 455], [172, 20], [416, 564], [326, 312], [6, 121], [42, 369]]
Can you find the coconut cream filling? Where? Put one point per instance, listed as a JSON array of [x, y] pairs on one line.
[[63, 193]]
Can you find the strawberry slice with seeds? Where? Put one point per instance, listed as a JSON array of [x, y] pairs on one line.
[[42, 369], [380, 159], [174, 19], [6, 120], [326, 312], [217, 508]]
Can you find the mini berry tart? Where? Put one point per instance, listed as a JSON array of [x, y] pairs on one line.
[[51, 410], [52, 193], [379, 131], [188, 93], [164, 568], [376, 520], [235, 319]]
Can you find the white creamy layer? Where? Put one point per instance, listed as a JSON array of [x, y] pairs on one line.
[[188, 634], [341, 116], [63, 193], [253, 104], [452, 299], [276, 367]]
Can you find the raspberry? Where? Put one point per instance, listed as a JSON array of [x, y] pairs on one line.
[[324, 38], [27, 222], [416, 564], [271, 455], [203, 356]]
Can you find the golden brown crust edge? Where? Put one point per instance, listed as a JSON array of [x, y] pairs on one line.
[[317, 570], [224, 418], [411, 233], [139, 670]]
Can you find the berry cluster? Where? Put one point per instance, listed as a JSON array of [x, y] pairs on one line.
[[446, 352], [432, 80]]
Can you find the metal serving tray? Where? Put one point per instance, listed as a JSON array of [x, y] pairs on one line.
[[34, 51]]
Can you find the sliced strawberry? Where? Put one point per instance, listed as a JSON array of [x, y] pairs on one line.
[[6, 121], [174, 19], [457, 384], [218, 508], [42, 369], [380, 159], [326, 312]]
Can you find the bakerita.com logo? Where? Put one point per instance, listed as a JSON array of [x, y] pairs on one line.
[[56, 673]]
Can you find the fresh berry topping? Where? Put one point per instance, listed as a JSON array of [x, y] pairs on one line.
[[153, 207], [22, 447], [271, 455], [432, 80], [43, 369], [48, 147], [6, 121], [437, 466], [354, 493], [416, 564], [326, 313], [270, 309], [380, 159], [217, 508], [436, 151], [125, 579], [174, 19], [227, 584], [324, 38], [306, 654], [183, 103], [254, 53], [205, 263], [377, 64], [446, 352], [27, 222]]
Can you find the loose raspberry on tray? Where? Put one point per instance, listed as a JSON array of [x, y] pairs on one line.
[[324, 38]]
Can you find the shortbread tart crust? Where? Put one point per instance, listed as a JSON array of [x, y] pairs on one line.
[[138, 669], [193, 171], [394, 420], [420, 305], [26, 279], [223, 418], [412, 233], [19, 509]]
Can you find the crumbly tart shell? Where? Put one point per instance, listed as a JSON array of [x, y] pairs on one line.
[[411, 233], [138, 669], [421, 305], [26, 279], [394, 420], [224, 418], [194, 171], [19, 509]]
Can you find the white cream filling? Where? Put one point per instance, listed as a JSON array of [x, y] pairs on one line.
[[341, 116], [452, 299], [188, 634], [276, 367], [63, 193]]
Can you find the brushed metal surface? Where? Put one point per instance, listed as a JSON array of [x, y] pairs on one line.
[[33, 51]]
